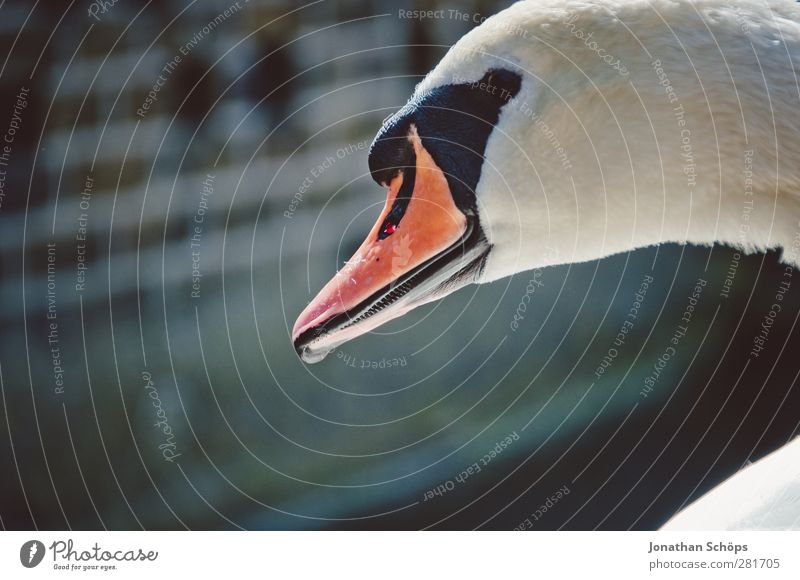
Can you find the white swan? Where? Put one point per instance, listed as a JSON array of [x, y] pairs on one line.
[[563, 131], [763, 496]]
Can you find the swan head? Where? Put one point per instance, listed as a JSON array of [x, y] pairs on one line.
[[451, 216], [430, 239]]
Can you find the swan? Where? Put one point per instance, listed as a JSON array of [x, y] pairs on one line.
[[764, 495], [562, 131]]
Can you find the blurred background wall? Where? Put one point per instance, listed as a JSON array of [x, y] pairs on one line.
[[182, 178]]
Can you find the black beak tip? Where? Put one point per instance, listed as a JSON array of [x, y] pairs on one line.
[[302, 348]]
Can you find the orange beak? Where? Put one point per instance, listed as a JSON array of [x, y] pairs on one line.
[[398, 266]]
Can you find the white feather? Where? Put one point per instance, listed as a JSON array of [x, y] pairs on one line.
[[763, 496], [624, 183]]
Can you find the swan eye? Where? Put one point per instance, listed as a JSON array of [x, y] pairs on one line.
[[406, 177], [392, 222]]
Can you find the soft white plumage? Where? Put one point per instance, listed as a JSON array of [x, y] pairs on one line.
[[631, 151], [763, 496]]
